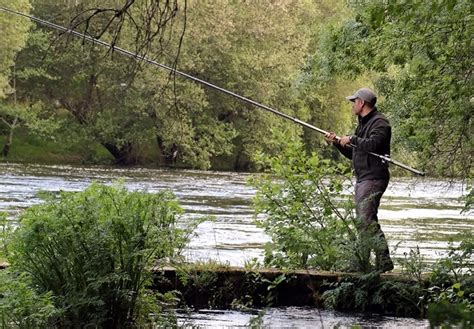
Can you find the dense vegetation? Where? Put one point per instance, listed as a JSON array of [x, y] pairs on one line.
[[85, 259], [141, 114], [420, 54], [297, 56]]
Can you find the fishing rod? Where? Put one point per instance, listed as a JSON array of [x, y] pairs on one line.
[[385, 158]]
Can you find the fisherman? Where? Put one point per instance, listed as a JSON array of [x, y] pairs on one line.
[[373, 134]]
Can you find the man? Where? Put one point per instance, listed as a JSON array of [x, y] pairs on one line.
[[373, 134]]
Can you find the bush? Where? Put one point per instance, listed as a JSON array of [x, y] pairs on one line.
[[21, 306], [450, 297], [446, 298], [370, 293], [93, 252], [310, 220]]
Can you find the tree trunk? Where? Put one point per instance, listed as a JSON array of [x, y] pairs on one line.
[[8, 142], [124, 155], [167, 158], [242, 162]]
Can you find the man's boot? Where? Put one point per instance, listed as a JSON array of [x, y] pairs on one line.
[[383, 262]]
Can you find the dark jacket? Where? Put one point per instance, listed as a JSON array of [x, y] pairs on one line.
[[373, 134]]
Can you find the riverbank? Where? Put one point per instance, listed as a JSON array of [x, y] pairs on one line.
[[220, 287], [66, 150], [225, 287], [213, 295], [213, 286], [31, 149]]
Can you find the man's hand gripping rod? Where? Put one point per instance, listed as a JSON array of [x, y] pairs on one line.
[[385, 158]]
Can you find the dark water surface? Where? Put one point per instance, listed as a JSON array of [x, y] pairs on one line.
[[414, 213], [294, 317]]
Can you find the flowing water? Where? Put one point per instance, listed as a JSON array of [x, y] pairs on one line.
[[421, 213], [294, 317]]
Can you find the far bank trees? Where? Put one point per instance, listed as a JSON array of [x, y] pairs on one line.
[[13, 38], [140, 113]]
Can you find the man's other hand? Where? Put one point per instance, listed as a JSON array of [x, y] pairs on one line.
[[345, 140]]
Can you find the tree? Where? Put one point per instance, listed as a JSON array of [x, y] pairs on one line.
[[123, 107], [81, 79], [420, 57], [13, 39], [138, 111], [319, 89], [255, 49], [149, 23]]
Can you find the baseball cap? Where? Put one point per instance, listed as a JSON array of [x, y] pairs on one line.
[[365, 94]]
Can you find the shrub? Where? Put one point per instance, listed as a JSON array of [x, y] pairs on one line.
[[450, 297], [306, 213], [21, 306], [93, 251], [446, 298]]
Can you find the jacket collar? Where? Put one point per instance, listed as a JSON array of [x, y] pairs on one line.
[[365, 119]]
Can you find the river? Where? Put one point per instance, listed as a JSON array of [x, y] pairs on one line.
[[421, 212]]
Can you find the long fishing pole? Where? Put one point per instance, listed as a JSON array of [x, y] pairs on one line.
[[136, 56]]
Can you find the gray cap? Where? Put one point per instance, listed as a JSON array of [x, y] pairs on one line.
[[365, 94]]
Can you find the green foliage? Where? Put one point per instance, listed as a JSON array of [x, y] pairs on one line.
[[23, 307], [109, 100], [369, 293], [451, 293], [413, 265], [300, 57], [32, 117], [452, 305], [419, 55], [12, 39], [140, 113], [319, 88], [307, 210], [181, 119], [63, 148], [256, 51], [458, 263], [446, 298], [22, 105], [93, 252], [82, 89], [446, 315], [304, 209]]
